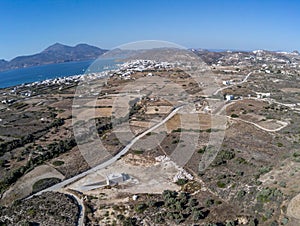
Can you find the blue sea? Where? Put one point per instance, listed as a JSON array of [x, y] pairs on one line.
[[50, 71]]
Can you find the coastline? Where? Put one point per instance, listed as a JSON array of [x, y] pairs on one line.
[[30, 75]]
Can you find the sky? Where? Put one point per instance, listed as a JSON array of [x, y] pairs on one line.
[[29, 26]]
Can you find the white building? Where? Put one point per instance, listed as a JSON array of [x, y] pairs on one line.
[[116, 178], [229, 97], [226, 83], [263, 95]]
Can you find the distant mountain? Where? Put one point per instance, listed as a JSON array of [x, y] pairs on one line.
[[3, 63], [56, 53]]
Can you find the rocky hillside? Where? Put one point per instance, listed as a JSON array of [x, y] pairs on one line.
[[56, 53], [48, 209]]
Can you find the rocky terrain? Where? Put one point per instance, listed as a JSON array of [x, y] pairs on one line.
[[56, 53], [253, 179], [47, 209]]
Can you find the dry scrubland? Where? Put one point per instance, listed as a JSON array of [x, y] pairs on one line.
[[252, 181]]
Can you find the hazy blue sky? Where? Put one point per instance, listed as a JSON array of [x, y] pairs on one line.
[[29, 26]]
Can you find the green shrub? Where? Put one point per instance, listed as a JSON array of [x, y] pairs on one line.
[[169, 194], [159, 218], [296, 154], [44, 183], [241, 160], [193, 202], [264, 170], [198, 215], [181, 182], [241, 194], [138, 152], [176, 141], [209, 202], [223, 156], [140, 208], [31, 212], [268, 194], [230, 223], [285, 221], [221, 184], [282, 184], [279, 144], [130, 222], [202, 150], [58, 163], [177, 130]]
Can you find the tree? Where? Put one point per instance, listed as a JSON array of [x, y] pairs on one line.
[[183, 198], [193, 202], [230, 223], [169, 194], [130, 221], [198, 215], [181, 182], [139, 208]]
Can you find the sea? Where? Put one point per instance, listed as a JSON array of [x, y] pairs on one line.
[[51, 71]]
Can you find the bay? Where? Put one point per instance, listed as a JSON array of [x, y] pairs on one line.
[[51, 71]]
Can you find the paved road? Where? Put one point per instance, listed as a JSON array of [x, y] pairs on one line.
[[124, 150], [80, 204], [238, 83], [64, 183]]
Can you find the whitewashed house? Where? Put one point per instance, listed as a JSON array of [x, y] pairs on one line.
[[229, 97]]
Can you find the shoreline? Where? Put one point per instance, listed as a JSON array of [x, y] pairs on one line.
[[37, 74]]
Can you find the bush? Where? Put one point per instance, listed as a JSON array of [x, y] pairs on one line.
[[2, 163], [193, 202], [230, 223], [31, 212], [44, 183], [209, 202], [176, 141], [241, 160], [264, 170], [282, 184], [158, 204], [170, 201], [120, 217], [130, 222], [202, 150], [58, 163], [198, 215], [274, 223], [268, 194], [234, 116], [241, 194], [253, 222], [285, 221], [181, 182], [296, 154], [169, 194], [177, 130], [138, 152], [223, 156], [221, 184], [140, 208], [159, 218], [279, 144], [177, 217], [183, 198]]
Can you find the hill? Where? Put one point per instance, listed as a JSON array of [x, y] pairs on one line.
[[56, 53]]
